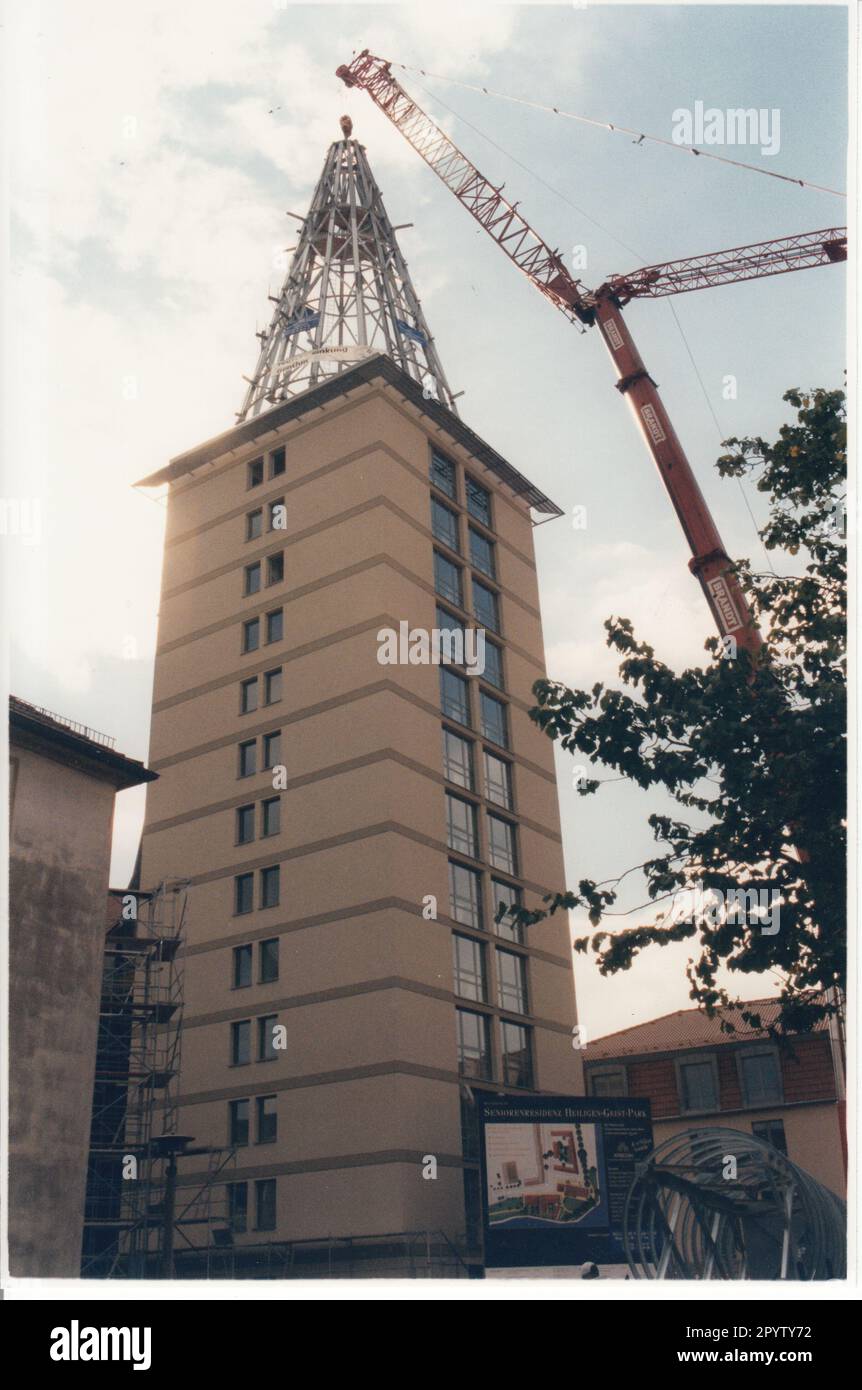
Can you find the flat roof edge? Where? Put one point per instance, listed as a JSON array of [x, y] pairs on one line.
[[122, 771], [377, 367]]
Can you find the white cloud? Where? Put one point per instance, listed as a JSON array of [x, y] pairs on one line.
[[623, 579]]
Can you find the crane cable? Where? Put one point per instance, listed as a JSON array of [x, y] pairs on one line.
[[640, 136]]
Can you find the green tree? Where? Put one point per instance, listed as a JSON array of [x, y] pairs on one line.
[[753, 753]]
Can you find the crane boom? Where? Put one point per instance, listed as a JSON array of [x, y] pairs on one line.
[[710, 562], [776, 257], [496, 214]]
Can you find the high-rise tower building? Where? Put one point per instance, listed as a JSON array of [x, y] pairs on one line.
[[349, 811]]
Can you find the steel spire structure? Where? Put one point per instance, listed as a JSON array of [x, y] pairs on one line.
[[347, 294]]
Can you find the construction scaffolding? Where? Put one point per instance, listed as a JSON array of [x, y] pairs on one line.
[[137, 1063], [131, 1217]]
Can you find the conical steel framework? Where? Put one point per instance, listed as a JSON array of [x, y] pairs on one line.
[[347, 294]]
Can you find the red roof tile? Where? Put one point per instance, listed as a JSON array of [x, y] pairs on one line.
[[687, 1028]]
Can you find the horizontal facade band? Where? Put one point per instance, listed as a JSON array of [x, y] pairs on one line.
[[328, 581], [328, 996], [274, 722], [321, 1165], [365, 832], [344, 914], [381, 755], [286, 485], [371, 1071]]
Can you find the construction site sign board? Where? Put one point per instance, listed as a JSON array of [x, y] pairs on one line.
[[556, 1172]]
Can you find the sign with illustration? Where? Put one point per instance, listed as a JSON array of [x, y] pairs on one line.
[[556, 1171]]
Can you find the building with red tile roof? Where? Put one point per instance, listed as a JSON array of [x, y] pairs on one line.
[[695, 1073]]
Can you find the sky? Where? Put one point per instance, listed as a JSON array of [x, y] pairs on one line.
[[156, 149]]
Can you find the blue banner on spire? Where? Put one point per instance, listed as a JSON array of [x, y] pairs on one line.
[[411, 332], [308, 319]]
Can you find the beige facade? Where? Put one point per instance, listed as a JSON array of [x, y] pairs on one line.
[[364, 1079]]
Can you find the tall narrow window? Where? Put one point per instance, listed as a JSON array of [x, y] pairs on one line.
[[481, 553], [457, 759], [248, 696], [241, 967], [269, 886], [447, 579], [444, 524], [272, 749], [442, 473], [512, 979], [240, 1043], [501, 845], [238, 1123], [243, 893], [255, 472], [253, 524], [454, 696], [275, 568], [461, 826], [272, 686], [493, 719], [248, 758], [516, 1052], [503, 898], [252, 578], [244, 824], [493, 672], [465, 895], [275, 625], [277, 462], [237, 1206], [264, 1204], [251, 635], [268, 961], [468, 960], [498, 780], [451, 638], [485, 606], [266, 1027], [270, 816], [474, 1044], [267, 1120], [478, 501]]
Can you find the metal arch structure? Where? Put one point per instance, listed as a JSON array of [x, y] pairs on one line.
[[347, 294], [767, 1219]]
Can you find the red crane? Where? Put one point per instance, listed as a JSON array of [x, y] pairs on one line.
[[602, 307]]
